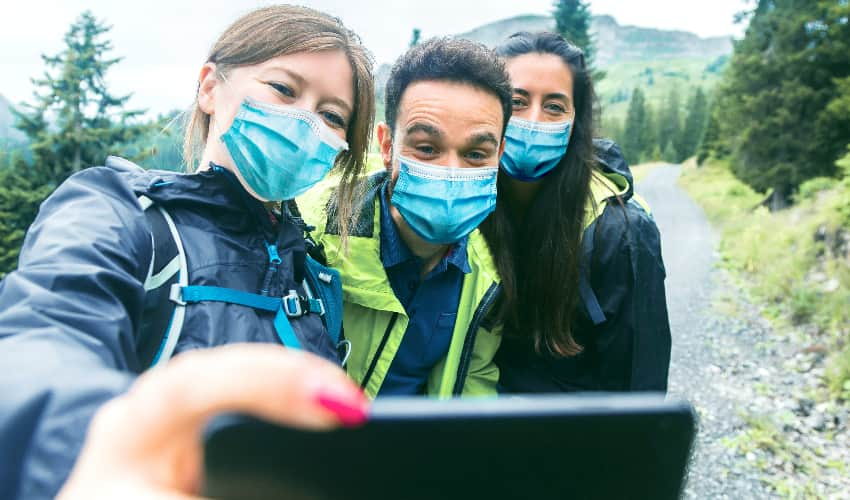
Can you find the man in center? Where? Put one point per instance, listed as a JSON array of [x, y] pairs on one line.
[[417, 276]]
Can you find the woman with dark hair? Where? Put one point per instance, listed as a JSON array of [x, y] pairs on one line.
[[578, 253]]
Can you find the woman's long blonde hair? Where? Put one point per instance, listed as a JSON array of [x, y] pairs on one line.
[[287, 29]]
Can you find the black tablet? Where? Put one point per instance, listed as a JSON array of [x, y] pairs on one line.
[[570, 446]]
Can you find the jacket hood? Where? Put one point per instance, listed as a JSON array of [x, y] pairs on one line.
[[215, 189], [611, 161]]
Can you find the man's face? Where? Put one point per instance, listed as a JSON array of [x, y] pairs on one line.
[[444, 124]]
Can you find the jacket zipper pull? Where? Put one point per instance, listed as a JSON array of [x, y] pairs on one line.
[[274, 257], [274, 262]]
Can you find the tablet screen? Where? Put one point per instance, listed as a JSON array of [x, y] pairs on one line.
[[569, 446]]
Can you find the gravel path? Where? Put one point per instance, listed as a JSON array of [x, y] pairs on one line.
[[760, 436]]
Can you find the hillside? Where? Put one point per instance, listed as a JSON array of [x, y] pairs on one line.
[[656, 60], [616, 44]]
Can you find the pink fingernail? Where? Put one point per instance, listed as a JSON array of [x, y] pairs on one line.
[[350, 412]]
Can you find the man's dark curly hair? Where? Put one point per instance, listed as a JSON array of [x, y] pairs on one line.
[[454, 60]]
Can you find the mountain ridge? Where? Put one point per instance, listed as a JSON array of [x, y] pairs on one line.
[[615, 43]]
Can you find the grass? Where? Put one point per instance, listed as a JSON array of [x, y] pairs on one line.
[[782, 262], [763, 437], [639, 172], [656, 78]]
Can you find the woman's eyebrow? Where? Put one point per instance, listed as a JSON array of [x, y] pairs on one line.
[[558, 95], [292, 74], [300, 80], [346, 107]]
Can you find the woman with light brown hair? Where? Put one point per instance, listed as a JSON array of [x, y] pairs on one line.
[[125, 268]]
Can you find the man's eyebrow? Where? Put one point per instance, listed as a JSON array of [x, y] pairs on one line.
[[424, 128], [521, 92], [483, 137]]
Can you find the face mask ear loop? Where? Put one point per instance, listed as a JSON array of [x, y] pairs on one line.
[[213, 121]]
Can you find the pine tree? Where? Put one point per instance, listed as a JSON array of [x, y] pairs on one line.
[[648, 135], [694, 129], [713, 143], [19, 201], [414, 37], [669, 126], [637, 131], [669, 154], [612, 128], [75, 121], [572, 20], [777, 92]]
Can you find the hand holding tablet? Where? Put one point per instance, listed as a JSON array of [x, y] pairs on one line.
[[148, 443], [151, 442]]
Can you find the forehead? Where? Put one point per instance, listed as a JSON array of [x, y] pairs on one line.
[[457, 108], [540, 74]]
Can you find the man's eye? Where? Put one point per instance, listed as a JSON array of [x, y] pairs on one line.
[[517, 102], [425, 149], [282, 89], [476, 155], [333, 120]]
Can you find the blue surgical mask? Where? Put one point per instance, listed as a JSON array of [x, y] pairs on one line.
[[281, 151], [533, 149], [443, 204]]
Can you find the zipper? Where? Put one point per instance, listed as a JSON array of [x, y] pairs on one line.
[[379, 351], [469, 342], [274, 262]]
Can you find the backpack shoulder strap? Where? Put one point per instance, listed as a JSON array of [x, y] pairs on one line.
[[162, 318], [325, 283], [588, 297]]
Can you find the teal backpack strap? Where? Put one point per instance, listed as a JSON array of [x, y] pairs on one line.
[[289, 306], [162, 322], [325, 284], [285, 332], [282, 306], [167, 293]]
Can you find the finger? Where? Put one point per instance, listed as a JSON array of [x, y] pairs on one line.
[[278, 384]]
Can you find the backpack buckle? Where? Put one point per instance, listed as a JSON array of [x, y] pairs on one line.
[[296, 306], [344, 344], [292, 304], [176, 294]]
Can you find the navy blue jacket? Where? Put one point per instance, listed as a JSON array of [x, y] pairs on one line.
[[70, 314], [630, 350]]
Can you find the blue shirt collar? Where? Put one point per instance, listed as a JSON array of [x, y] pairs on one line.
[[394, 250]]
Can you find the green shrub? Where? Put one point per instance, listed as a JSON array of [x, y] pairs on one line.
[[811, 187]]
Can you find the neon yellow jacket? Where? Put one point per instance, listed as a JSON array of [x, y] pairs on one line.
[[375, 321]]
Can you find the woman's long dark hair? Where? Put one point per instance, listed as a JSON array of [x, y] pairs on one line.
[[538, 257]]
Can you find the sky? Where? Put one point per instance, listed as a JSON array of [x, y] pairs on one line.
[[165, 42]]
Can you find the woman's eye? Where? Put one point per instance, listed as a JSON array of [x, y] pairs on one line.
[[557, 108], [282, 89], [333, 120]]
